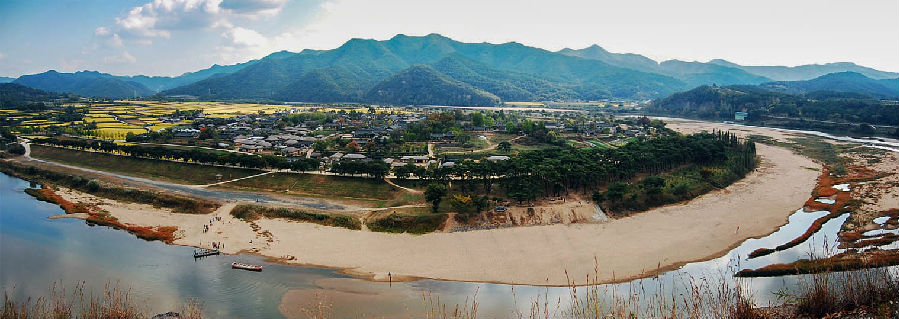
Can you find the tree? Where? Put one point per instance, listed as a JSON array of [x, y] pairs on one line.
[[320, 145], [616, 191], [706, 174], [207, 133], [653, 185], [477, 119], [403, 172], [480, 203], [598, 197], [352, 146], [504, 146], [434, 194], [462, 203], [463, 138]]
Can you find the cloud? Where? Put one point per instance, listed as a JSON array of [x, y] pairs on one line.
[[101, 31], [160, 17], [2, 55], [243, 37], [124, 57], [253, 7]]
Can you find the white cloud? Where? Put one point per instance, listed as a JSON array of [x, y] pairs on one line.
[[101, 31], [124, 57], [253, 7], [2, 55], [243, 37], [159, 18]]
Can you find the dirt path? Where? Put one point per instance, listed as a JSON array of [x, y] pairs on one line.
[[234, 180], [411, 190]]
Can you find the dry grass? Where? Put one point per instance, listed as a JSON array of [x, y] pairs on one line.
[[434, 308], [114, 302]]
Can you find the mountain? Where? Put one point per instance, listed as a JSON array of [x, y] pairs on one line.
[[698, 73], [4, 79], [86, 83], [96, 84], [17, 96], [624, 60], [160, 83], [510, 70], [808, 71], [692, 73], [421, 84], [847, 82], [509, 86]]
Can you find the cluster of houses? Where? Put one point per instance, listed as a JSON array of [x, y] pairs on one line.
[[286, 144]]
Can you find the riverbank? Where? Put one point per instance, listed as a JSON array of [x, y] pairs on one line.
[[636, 246]]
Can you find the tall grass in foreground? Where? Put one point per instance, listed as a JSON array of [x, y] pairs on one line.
[[114, 303], [868, 293]]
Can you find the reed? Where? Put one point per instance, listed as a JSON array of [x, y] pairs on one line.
[[114, 302]]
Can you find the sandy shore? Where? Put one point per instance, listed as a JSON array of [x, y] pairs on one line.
[[635, 246]]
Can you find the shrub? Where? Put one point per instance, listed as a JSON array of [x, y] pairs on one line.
[[401, 223], [253, 212]]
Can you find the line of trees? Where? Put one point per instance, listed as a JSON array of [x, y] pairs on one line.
[[374, 168], [195, 155]]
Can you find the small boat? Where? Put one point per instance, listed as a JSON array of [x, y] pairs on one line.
[[238, 265], [205, 252]]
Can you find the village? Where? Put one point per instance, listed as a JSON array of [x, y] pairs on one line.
[[397, 136]]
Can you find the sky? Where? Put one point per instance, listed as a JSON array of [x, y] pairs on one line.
[[170, 37]]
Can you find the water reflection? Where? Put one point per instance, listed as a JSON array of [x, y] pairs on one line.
[[36, 251]]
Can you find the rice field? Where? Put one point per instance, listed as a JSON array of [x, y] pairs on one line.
[[116, 120]]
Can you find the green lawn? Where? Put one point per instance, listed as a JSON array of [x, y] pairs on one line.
[[183, 173]]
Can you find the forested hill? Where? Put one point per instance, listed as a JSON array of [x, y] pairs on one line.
[[16, 96], [85, 83], [422, 84], [829, 106]]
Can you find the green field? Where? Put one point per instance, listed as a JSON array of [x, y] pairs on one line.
[[327, 186], [183, 173]]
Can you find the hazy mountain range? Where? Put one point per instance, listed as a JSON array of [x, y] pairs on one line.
[[434, 69]]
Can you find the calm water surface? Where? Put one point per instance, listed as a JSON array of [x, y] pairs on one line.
[[36, 251]]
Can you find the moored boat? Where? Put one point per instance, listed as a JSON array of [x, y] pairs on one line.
[[205, 252], [239, 265]]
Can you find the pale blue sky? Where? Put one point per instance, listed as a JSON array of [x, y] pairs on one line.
[[170, 37]]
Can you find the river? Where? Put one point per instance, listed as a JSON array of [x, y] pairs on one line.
[[36, 251]]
